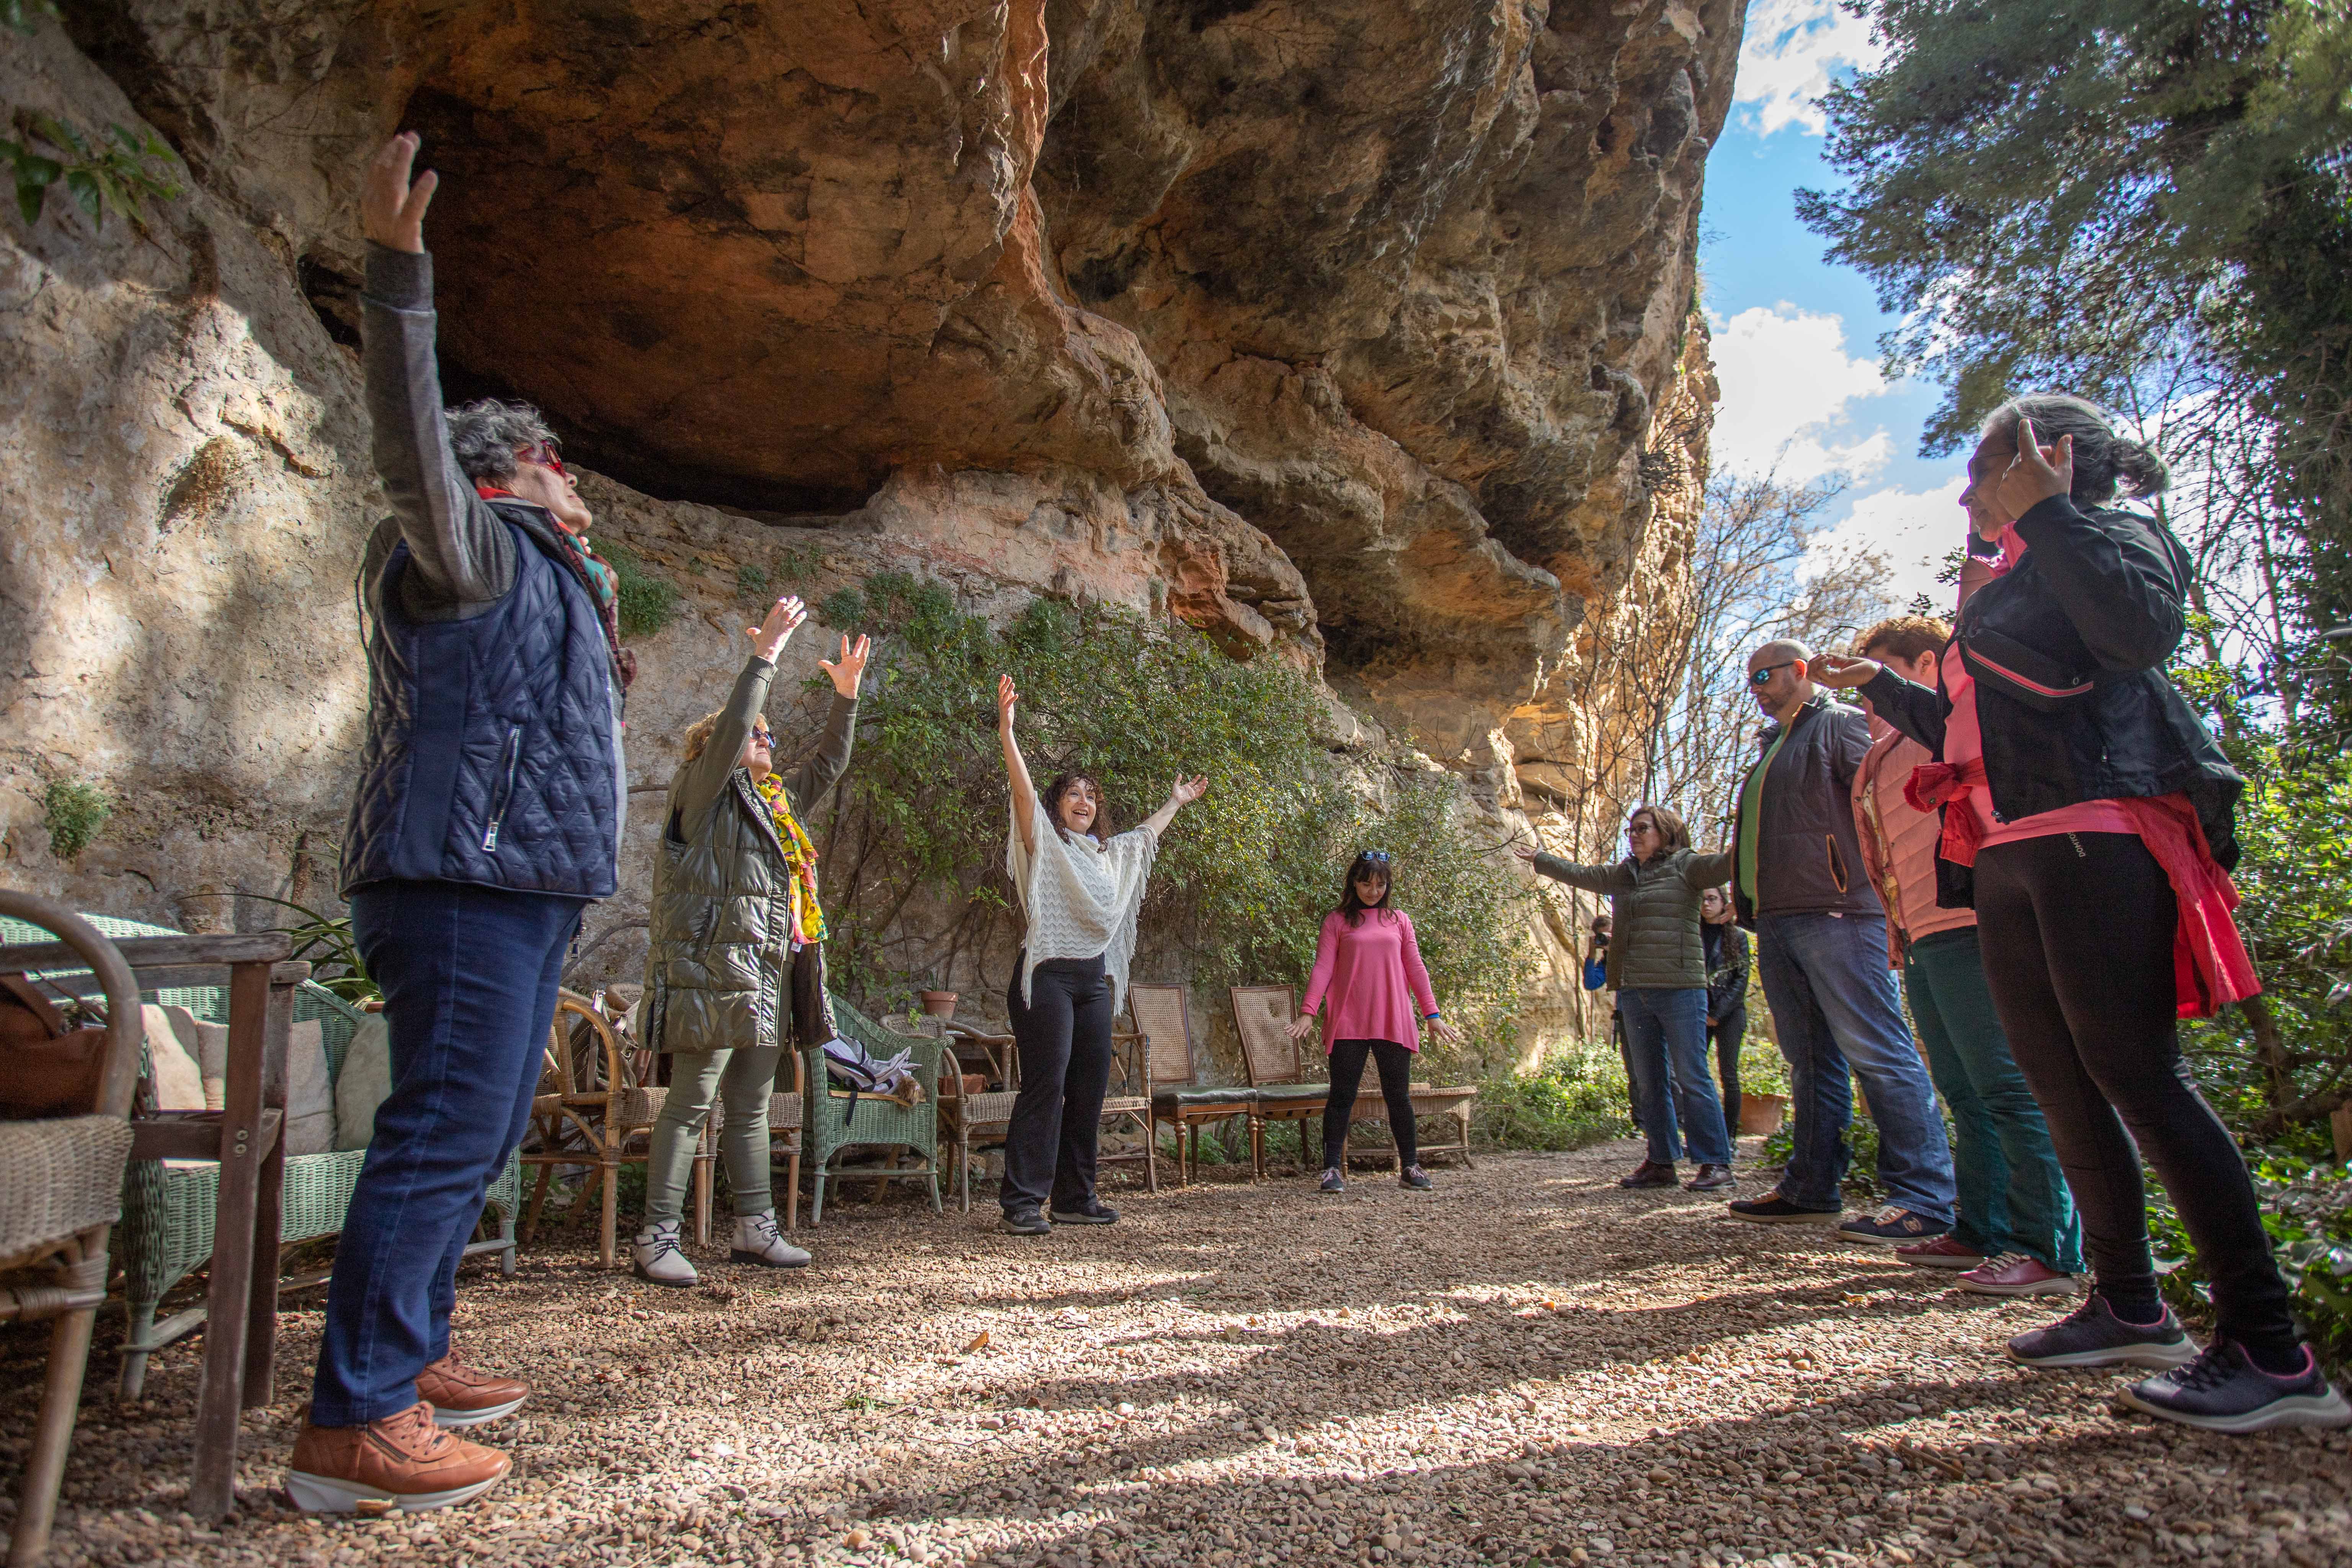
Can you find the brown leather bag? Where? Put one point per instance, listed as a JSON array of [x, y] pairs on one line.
[[46, 1068]]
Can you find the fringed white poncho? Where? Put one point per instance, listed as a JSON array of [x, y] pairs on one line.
[[1080, 897]]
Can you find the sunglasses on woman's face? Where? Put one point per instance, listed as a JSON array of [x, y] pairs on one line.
[[544, 456], [762, 738]]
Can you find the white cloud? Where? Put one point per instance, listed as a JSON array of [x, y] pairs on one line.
[[1915, 530], [1788, 384], [1793, 49]]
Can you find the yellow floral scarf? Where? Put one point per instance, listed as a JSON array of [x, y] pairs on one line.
[[808, 915]]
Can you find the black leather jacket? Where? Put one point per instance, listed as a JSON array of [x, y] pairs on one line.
[[2067, 651]]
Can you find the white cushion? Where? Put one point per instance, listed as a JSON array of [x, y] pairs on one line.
[[179, 1080], [208, 1043], [365, 1080], [310, 1093]]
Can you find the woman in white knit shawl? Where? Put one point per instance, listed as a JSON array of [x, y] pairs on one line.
[[1080, 892]]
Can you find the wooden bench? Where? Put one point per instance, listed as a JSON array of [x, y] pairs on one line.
[[1278, 1072]]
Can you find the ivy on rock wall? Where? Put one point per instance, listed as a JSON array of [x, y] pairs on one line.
[[913, 846]]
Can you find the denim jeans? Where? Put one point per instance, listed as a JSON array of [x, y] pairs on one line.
[[1728, 1033], [1836, 1010], [2013, 1196], [470, 976], [744, 1077], [1665, 1032]]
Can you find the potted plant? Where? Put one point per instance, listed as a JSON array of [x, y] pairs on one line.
[[937, 1003]]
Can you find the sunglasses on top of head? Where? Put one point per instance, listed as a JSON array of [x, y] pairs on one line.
[[1764, 677], [1374, 857]]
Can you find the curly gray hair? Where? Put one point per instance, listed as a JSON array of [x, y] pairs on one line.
[[2105, 460], [487, 434]]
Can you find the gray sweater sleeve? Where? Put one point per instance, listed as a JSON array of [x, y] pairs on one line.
[[463, 555]]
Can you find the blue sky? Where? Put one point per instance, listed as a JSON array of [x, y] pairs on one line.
[[1795, 337]]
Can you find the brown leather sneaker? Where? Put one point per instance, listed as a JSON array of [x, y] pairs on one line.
[[461, 1396], [403, 1460]]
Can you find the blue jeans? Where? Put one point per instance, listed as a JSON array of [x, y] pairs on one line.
[[1836, 1010], [2013, 1197], [470, 976], [1665, 1036]]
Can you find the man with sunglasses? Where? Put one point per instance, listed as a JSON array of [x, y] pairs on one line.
[[1801, 884], [488, 816]]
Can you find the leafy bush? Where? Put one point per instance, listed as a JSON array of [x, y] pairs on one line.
[[1573, 1098], [1860, 1142], [751, 580], [325, 942], [645, 602], [73, 812]]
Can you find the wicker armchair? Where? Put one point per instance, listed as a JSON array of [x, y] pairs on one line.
[[832, 1121], [169, 1205], [60, 1193]]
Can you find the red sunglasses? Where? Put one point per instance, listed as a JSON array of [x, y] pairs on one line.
[[543, 454]]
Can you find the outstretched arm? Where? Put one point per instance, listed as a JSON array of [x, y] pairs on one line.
[[1612, 879], [700, 781], [1183, 792], [823, 770], [1024, 794]]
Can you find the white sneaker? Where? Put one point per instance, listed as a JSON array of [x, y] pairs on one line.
[[758, 1241], [655, 1255]]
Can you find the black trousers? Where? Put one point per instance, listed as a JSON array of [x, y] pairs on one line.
[[1062, 1032], [1727, 1033], [1396, 1088], [2077, 929]]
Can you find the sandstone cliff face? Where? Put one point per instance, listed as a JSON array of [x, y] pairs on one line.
[[1338, 328]]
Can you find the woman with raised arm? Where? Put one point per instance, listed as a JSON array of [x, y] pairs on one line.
[[735, 966], [1079, 890], [2089, 818], [1368, 968]]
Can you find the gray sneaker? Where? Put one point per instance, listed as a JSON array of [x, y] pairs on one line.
[[2223, 1391], [1027, 1220], [2091, 1335], [1333, 1182], [1416, 1178]]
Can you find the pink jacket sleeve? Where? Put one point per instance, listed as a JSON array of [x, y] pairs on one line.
[[1327, 949], [1415, 974]]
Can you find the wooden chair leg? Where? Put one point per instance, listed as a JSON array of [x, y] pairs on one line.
[[1150, 1155], [608, 1216], [538, 1198], [702, 1185], [45, 1459], [792, 1189], [134, 1360]]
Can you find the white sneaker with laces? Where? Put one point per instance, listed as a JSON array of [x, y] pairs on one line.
[[757, 1240], [655, 1256]]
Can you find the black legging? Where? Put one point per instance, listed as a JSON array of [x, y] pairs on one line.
[[2077, 935], [1728, 1032], [1063, 1033], [1396, 1087]]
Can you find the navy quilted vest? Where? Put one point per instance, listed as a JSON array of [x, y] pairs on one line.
[[491, 751]]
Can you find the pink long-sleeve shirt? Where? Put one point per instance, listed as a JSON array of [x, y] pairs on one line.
[[1371, 974]]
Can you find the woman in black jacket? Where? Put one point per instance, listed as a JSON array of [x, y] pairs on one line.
[[1726, 946], [2087, 816]]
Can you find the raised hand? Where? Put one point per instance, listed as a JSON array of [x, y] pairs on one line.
[[392, 206], [1843, 670], [850, 668], [769, 637], [1184, 792], [2036, 473], [1007, 697]]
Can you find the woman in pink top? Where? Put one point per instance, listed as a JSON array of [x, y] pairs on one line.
[[1368, 967], [2090, 819]]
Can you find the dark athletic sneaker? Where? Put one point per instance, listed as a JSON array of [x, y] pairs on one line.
[[2223, 1391], [1334, 1182], [1890, 1227], [1416, 1178], [1027, 1220], [1774, 1209], [1712, 1179], [2091, 1335], [1650, 1174], [1096, 1212]]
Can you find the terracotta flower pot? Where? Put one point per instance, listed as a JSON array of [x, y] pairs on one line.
[[939, 1003], [1759, 1114]]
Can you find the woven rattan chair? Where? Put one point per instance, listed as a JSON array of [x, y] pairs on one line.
[[1164, 1016], [967, 1114], [170, 1206], [60, 1194], [834, 1121]]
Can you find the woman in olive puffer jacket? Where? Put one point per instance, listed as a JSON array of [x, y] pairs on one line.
[[1657, 966], [735, 972]]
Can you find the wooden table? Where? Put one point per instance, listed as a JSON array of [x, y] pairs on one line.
[[245, 1136]]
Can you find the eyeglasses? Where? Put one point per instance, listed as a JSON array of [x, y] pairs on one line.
[[543, 454], [1644, 826], [1764, 677]]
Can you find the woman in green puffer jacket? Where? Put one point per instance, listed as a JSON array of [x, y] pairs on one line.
[[1657, 966], [735, 973]]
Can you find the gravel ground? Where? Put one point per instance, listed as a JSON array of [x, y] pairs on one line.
[[1526, 1364]]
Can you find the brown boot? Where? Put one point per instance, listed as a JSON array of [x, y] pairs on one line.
[[461, 1396], [403, 1460]]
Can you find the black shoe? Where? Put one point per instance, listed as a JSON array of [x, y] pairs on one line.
[[1774, 1209], [1334, 1182], [1027, 1220], [1096, 1212], [1891, 1227], [1650, 1174], [2092, 1335], [2225, 1391], [1712, 1179], [1416, 1178]]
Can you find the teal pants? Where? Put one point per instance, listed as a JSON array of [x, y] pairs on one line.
[[2013, 1196], [743, 1080]]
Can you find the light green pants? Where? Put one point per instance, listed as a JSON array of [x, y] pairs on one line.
[[744, 1080]]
